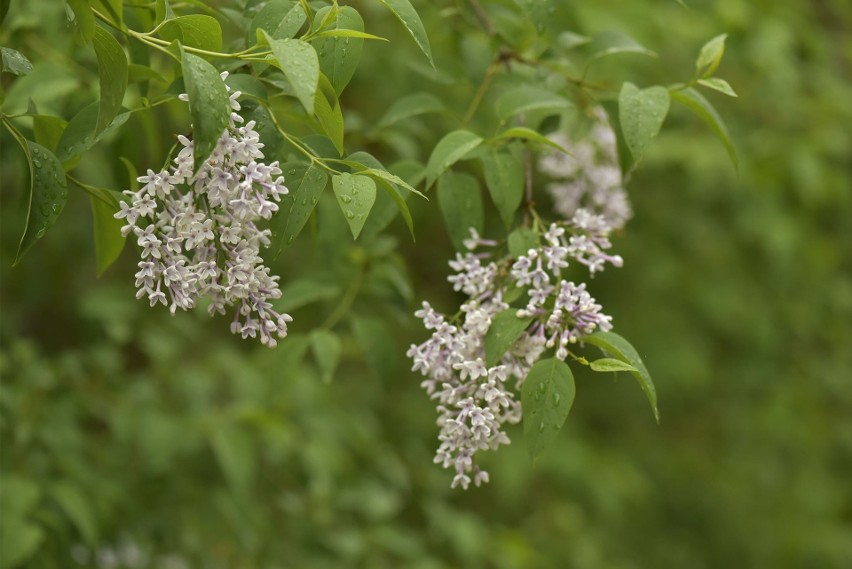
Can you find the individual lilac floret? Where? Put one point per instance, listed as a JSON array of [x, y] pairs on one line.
[[199, 234], [590, 176]]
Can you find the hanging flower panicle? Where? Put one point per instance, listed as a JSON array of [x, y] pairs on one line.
[[474, 401], [589, 177], [199, 233]]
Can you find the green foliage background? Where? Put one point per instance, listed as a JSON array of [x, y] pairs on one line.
[[122, 425]]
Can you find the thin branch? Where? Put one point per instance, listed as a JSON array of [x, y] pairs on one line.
[[482, 17]]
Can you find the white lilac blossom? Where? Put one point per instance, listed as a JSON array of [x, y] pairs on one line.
[[474, 400], [590, 176], [199, 234]]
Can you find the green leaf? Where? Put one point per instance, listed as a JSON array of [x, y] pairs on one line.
[[248, 85], [411, 106], [388, 177], [718, 85], [356, 195], [112, 69], [48, 131], [137, 73], [280, 19], [540, 12], [208, 104], [504, 331], [641, 114], [325, 345], [19, 541], [235, 454], [378, 344], [80, 135], [409, 17], [296, 206], [196, 30], [15, 62], [48, 194], [77, 507], [109, 242], [710, 56], [614, 345], [529, 135], [613, 42], [343, 33], [611, 364], [461, 205], [84, 21], [449, 150], [695, 101], [307, 291], [522, 240], [339, 56], [111, 8], [546, 398], [328, 113], [504, 177], [300, 64], [524, 99]]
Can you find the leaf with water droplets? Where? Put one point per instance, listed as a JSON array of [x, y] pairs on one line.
[[80, 134], [297, 205], [15, 62], [409, 17], [279, 18], [300, 64], [641, 114], [546, 399], [504, 331], [695, 101], [196, 30], [208, 104], [328, 113], [460, 201], [112, 70], [48, 194], [356, 196], [614, 345], [339, 56]]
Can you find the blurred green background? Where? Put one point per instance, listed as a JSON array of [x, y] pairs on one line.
[[131, 438]]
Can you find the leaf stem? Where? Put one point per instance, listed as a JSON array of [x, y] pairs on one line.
[[480, 93]]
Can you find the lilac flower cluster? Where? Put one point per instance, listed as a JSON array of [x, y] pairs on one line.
[[474, 400], [199, 234], [590, 177]]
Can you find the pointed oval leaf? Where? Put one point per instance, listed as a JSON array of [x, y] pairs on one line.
[[48, 194], [80, 134], [524, 99], [504, 177], [710, 56], [614, 345], [112, 70], [196, 30], [460, 201], [504, 331], [356, 196], [611, 365], [208, 104], [546, 398], [328, 113], [326, 347], [522, 240], [614, 42], [411, 106], [718, 85], [279, 18], [300, 64], [84, 21], [641, 114], [695, 102], [449, 150], [14, 61], [528, 134], [109, 243], [339, 56], [409, 17], [297, 205]]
